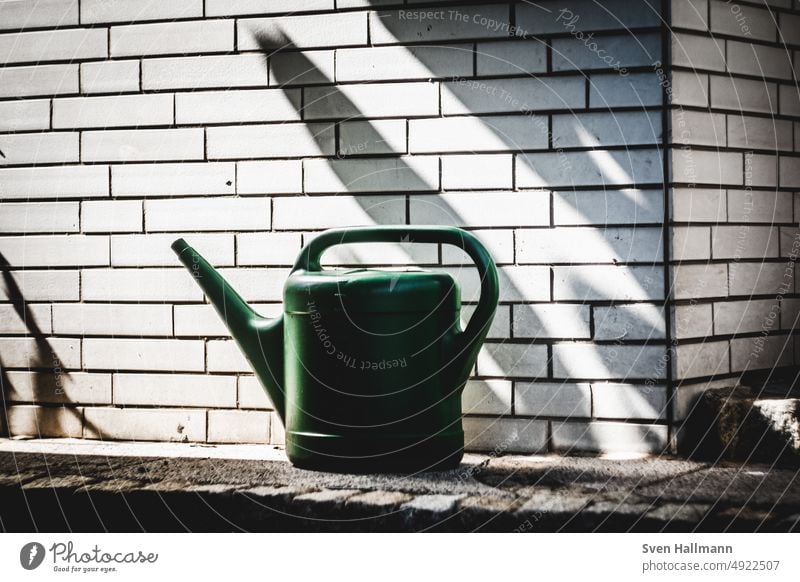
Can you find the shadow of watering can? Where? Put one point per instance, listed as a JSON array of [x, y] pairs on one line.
[[365, 367]]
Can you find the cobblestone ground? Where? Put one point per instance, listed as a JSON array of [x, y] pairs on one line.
[[121, 490]]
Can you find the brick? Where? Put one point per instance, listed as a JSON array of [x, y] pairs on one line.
[[691, 14], [593, 168], [501, 324], [689, 88], [752, 353], [252, 395], [692, 243], [789, 172], [634, 90], [758, 60], [173, 179], [16, 319], [111, 216], [21, 15], [319, 212], [744, 242], [48, 285], [603, 129], [756, 278], [53, 45], [507, 360], [477, 134], [517, 283], [790, 314], [53, 354], [153, 250], [384, 136], [24, 115], [486, 397], [270, 177], [379, 100], [143, 354], [142, 145], [698, 128], [759, 132], [59, 388], [585, 360], [312, 31], [707, 167], [45, 217], [40, 421], [175, 390], [380, 254], [209, 36], [743, 94], [552, 399], [113, 111], [499, 243], [740, 20], [237, 106], [38, 148], [257, 285], [372, 175], [225, 356], [477, 171], [609, 245], [467, 96], [139, 285], [789, 100], [112, 319], [698, 281], [609, 437], [629, 401], [537, 19], [605, 282], [238, 426], [790, 241], [698, 52], [203, 320], [641, 321], [399, 63], [698, 205], [606, 52], [205, 72], [302, 68], [274, 140], [231, 7], [709, 358], [511, 58], [54, 250], [38, 80], [110, 76], [732, 317], [691, 321], [416, 25], [481, 209], [96, 11], [256, 249], [147, 424], [511, 435], [548, 320], [207, 214], [603, 207]]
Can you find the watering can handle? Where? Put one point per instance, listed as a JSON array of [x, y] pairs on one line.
[[309, 260]]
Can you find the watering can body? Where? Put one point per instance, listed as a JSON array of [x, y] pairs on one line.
[[365, 367]]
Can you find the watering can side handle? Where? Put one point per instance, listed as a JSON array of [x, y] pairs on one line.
[[309, 260]]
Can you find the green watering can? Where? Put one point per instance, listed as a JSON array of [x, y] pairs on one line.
[[365, 367]]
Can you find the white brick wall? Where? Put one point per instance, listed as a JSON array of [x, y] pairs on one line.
[[126, 124]]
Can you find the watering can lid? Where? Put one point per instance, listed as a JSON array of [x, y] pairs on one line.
[[371, 291]]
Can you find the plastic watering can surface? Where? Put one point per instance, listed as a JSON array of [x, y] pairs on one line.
[[365, 367]]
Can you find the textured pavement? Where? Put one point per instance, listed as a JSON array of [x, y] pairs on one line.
[[198, 489]]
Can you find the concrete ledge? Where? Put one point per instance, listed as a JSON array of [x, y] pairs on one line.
[[91, 492]]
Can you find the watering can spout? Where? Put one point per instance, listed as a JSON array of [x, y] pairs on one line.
[[260, 339]]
